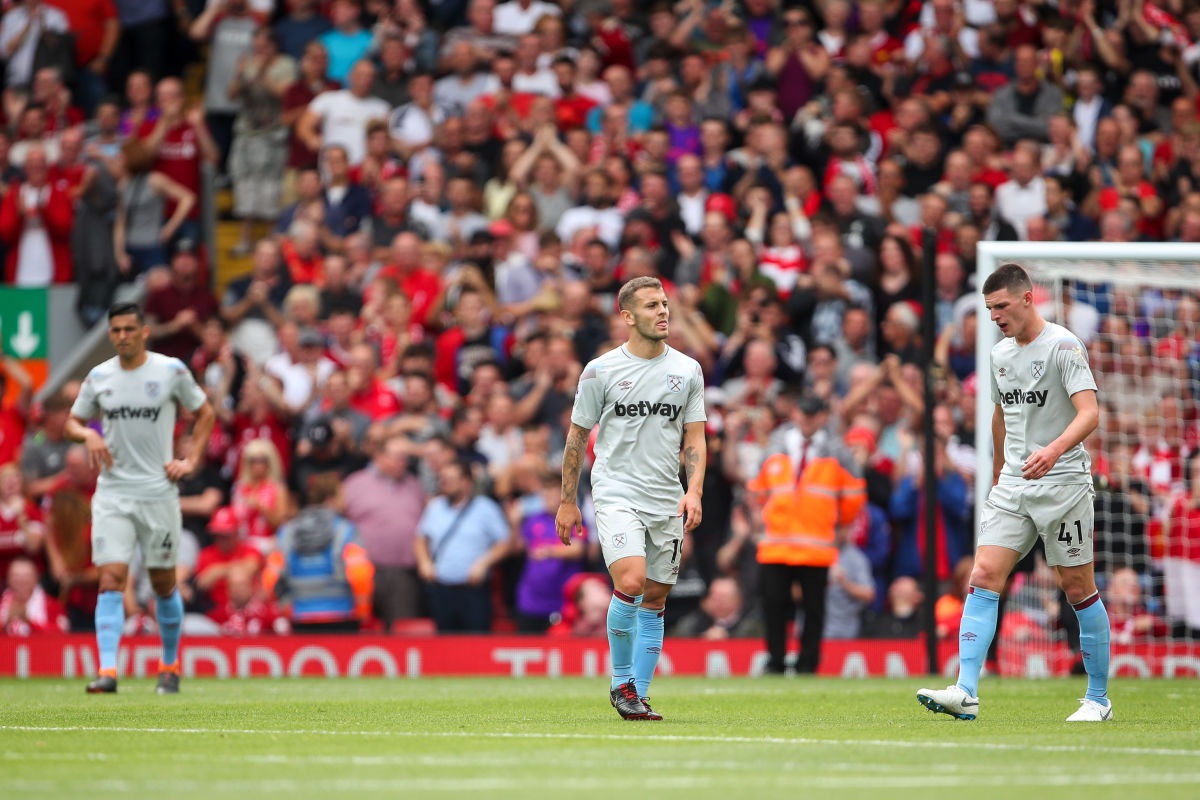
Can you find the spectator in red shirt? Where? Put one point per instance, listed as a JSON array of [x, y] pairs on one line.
[[21, 530], [1128, 182], [97, 31], [421, 285], [35, 224], [176, 312], [179, 140], [217, 564], [368, 393], [25, 608], [571, 108]]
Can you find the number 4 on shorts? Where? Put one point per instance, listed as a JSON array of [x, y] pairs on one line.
[[166, 542], [1064, 536]]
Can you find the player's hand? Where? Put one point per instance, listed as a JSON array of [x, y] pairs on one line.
[[690, 507], [98, 456], [1039, 463], [567, 519], [180, 468]]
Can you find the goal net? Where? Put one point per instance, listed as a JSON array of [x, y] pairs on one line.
[[1137, 309]]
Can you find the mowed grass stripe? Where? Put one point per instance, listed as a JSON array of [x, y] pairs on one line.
[[612, 737]]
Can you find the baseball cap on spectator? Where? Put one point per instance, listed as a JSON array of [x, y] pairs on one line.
[[310, 337], [224, 520], [482, 237], [320, 434], [639, 215], [812, 404], [184, 245], [501, 229], [861, 435], [964, 80], [722, 204]]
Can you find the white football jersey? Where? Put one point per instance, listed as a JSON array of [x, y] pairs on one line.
[[642, 406], [137, 411], [1033, 385]]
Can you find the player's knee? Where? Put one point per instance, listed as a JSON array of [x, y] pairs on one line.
[[1077, 588], [987, 576], [111, 582], [630, 584], [163, 584]]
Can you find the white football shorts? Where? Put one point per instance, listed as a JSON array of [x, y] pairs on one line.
[[1062, 514], [118, 523], [625, 532]]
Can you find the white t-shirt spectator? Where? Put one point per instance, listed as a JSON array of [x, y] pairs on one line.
[[20, 63], [510, 18], [541, 81], [691, 210], [413, 126], [344, 117], [35, 259], [1016, 203], [609, 222], [297, 381]]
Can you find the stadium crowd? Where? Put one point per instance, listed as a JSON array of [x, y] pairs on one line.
[[440, 200]]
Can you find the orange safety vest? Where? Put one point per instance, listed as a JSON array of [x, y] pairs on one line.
[[802, 513]]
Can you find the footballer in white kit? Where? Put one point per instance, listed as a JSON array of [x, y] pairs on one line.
[[648, 400], [1046, 406], [134, 395]]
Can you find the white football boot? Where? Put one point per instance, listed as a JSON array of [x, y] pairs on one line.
[[952, 700], [1091, 711]]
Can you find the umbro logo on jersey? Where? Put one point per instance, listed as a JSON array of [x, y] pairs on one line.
[[648, 409], [625, 385], [134, 412], [1003, 371], [1020, 397]]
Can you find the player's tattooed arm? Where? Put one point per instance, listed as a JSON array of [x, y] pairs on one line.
[[695, 457], [568, 518], [573, 462]]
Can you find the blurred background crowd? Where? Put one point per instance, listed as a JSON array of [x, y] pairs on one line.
[[427, 208]]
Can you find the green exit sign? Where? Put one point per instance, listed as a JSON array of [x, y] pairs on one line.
[[23, 328]]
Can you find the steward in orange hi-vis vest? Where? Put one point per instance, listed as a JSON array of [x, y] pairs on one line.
[[803, 508]]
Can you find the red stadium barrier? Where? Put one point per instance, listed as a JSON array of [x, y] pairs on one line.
[[519, 656]]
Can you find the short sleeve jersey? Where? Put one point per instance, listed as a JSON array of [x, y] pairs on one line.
[[641, 406], [1033, 385], [137, 411]]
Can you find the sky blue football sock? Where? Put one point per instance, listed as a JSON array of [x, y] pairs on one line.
[[169, 611], [1093, 643], [110, 619], [647, 647], [622, 629], [975, 633]]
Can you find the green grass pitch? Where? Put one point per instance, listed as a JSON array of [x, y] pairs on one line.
[[485, 738]]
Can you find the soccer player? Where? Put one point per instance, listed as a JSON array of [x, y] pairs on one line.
[[1046, 406], [136, 500], [648, 399]]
